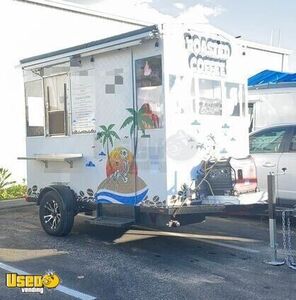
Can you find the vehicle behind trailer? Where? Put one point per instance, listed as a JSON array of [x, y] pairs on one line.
[[274, 150]]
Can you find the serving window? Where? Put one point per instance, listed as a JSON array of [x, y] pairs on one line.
[[235, 102], [46, 93], [232, 101], [221, 98], [210, 93]]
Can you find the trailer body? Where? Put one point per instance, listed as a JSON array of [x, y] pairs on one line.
[[123, 121]]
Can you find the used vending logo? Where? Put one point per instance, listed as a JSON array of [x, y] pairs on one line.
[[32, 283], [207, 55]]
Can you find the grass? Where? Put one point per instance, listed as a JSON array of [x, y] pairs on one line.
[[13, 192]]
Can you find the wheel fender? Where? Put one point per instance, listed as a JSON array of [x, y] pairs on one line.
[[64, 192]]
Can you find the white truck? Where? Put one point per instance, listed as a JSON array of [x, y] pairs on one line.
[[140, 128]]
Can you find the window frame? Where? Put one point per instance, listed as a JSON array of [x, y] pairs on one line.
[[67, 96], [241, 98], [283, 143], [137, 104], [200, 97], [292, 132], [27, 112]]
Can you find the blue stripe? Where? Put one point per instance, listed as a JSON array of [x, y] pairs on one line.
[[125, 200], [103, 201]]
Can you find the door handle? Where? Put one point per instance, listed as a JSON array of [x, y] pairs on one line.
[[269, 164]]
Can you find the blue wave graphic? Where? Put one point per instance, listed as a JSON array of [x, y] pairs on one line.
[[112, 197]]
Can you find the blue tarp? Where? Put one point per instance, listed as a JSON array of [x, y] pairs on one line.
[[267, 77]]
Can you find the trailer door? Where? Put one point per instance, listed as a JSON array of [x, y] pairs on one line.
[[119, 180]]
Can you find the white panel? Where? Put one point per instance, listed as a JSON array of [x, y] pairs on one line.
[[257, 61], [198, 123], [274, 106]]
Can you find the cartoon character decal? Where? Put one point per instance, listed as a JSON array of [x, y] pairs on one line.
[[122, 185]]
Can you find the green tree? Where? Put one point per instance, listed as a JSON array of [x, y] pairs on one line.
[[4, 178], [138, 120], [107, 135]]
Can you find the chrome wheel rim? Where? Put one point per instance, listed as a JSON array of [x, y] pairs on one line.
[[52, 215]]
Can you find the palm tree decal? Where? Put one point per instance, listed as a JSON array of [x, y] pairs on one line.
[[138, 121], [106, 136]]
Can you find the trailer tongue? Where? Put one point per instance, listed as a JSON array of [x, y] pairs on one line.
[[140, 128]]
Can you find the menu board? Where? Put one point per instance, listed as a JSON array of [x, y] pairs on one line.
[[210, 107], [83, 101]]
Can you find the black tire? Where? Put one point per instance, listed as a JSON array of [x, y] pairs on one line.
[[54, 207]]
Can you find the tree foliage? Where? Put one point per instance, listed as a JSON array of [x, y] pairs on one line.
[[5, 176], [138, 121], [107, 135]]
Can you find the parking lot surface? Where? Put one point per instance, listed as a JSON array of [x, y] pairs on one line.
[[221, 258]]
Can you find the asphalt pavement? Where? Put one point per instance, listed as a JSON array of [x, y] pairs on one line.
[[222, 258]]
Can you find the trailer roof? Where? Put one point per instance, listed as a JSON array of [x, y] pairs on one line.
[[86, 46]]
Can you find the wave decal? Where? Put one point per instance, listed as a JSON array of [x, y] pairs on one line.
[[108, 196]]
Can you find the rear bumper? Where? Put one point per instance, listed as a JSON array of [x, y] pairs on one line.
[[194, 214], [114, 214], [247, 209]]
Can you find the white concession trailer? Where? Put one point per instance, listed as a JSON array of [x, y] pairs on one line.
[[139, 128]]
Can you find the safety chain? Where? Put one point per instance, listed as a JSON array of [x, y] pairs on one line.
[[286, 231]]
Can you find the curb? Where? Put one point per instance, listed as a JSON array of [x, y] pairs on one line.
[[4, 204]]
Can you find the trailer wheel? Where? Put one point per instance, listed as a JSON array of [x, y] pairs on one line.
[[56, 214]]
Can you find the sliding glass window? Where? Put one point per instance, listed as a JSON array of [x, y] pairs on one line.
[[34, 108], [55, 92]]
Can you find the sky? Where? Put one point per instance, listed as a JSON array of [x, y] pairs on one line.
[[265, 21]]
